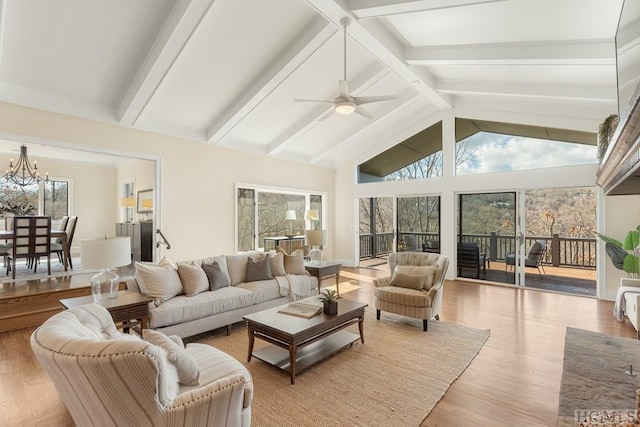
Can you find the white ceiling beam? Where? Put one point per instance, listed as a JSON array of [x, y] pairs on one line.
[[367, 9], [294, 55], [180, 25], [383, 46], [591, 52], [309, 121], [567, 92], [406, 99]]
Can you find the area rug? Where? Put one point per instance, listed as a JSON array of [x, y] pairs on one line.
[[394, 379], [594, 381]]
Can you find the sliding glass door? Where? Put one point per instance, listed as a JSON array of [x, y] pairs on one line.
[[418, 223]]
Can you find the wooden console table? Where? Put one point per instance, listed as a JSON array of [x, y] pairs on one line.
[[128, 309], [322, 269]]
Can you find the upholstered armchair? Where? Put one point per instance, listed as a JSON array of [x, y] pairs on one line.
[[415, 286], [106, 378]]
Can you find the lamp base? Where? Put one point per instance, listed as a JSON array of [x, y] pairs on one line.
[[104, 285], [315, 255]]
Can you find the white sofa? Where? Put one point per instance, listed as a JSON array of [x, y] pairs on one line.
[[631, 304], [185, 315], [106, 378]]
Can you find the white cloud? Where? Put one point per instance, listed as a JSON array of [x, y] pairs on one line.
[[498, 153]]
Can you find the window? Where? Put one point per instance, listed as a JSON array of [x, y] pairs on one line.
[[55, 200], [261, 212]]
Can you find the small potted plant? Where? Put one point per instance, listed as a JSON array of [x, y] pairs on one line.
[[329, 299]]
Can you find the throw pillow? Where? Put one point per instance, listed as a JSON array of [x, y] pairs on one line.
[[188, 372], [194, 280], [164, 262], [277, 264], [218, 278], [259, 268], [406, 280], [294, 263], [427, 272], [162, 283]]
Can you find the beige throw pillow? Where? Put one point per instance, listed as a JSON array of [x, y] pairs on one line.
[[161, 283], [188, 372], [294, 263], [277, 264], [193, 278], [427, 272], [164, 262], [406, 280]]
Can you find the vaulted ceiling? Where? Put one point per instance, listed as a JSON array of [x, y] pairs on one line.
[[226, 72]]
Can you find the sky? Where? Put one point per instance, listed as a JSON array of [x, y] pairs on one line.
[[501, 153]]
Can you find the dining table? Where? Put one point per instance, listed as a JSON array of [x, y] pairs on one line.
[[55, 234]]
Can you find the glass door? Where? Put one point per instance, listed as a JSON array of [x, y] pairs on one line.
[[418, 224], [488, 242]]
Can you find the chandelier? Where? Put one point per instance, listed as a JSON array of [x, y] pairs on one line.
[[22, 173]]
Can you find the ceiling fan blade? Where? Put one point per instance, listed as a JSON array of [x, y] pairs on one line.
[[364, 113], [369, 99], [312, 100], [343, 88]]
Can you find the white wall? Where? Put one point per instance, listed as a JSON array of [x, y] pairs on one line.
[[196, 190]]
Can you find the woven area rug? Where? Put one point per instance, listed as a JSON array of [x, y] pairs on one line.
[[57, 270], [594, 378], [394, 379]]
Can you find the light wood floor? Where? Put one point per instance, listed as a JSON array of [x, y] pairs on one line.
[[514, 381]]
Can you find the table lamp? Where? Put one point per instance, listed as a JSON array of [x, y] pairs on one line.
[[147, 205], [316, 239], [290, 216], [127, 203], [105, 253]]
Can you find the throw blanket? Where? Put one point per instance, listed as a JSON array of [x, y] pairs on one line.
[[619, 307], [295, 287]]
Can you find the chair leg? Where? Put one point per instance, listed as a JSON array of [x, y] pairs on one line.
[[378, 314], [13, 268], [49, 264], [424, 324], [70, 262]]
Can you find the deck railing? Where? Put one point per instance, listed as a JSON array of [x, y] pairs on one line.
[[561, 251]]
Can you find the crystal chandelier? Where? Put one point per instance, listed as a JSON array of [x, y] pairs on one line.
[[22, 173]]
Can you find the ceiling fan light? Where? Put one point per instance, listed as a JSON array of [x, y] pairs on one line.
[[345, 107]]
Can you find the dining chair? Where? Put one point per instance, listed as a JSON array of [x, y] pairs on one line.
[[31, 240], [58, 248]]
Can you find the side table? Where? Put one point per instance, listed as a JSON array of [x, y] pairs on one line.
[[324, 269], [127, 309]]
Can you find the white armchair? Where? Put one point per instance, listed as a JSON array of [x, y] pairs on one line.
[[106, 378], [397, 294]]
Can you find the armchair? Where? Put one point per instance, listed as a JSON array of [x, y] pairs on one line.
[[534, 258], [108, 378], [421, 302]]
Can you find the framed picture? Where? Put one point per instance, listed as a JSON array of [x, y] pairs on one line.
[[144, 203]]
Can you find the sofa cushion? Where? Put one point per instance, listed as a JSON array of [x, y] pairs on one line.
[[403, 296], [193, 278], [264, 290], [258, 268], [277, 263], [186, 366], [183, 309], [294, 263], [161, 283]]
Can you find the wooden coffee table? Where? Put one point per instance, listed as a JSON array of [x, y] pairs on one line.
[[299, 343]]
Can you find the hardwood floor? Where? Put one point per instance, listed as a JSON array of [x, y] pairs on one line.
[[514, 380]]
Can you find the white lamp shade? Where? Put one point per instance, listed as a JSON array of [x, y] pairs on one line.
[[315, 237], [290, 215], [311, 215], [105, 253]]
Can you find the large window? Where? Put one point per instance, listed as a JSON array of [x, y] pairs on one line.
[[263, 212], [55, 199], [46, 198]]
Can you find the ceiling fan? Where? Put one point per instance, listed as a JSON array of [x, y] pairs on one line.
[[344, 103]]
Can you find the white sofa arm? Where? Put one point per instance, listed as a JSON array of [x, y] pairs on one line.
[[194, 408]]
